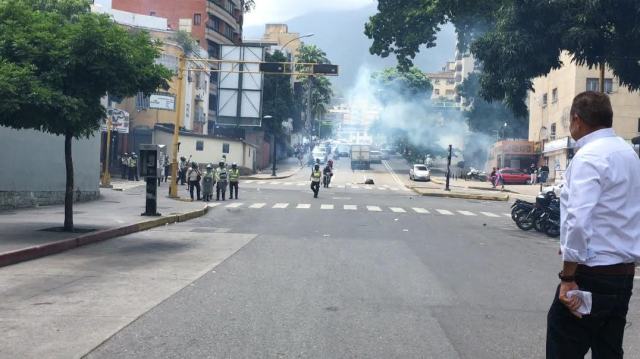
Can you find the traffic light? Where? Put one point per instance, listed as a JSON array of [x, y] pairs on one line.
[[325, 69], [271, 67]]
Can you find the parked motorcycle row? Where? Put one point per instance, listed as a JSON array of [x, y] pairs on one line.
[[543, 215]]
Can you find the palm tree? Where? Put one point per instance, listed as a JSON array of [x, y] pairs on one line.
[[321, 91]]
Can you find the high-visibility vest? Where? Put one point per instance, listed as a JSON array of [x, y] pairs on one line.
[[234, 175], [221, 174], [315, 176], [124, 161], [133, 162]]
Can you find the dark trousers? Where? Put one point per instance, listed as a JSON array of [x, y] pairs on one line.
[[315, 187], [233, 185], [133, 174], [221, 189], [123, 171], [601, 331], [196, 185]]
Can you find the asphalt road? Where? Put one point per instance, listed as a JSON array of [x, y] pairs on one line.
[[359, 273]]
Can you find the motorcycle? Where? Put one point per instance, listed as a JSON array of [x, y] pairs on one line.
[[477, 175], [537, 215], [326, 179]]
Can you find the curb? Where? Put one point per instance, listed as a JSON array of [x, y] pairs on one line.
[[462, 195], [46, 249], [256, 178]]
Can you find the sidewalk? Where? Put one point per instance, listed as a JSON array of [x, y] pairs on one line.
[[34, 228], [284, 169], [527, 191]]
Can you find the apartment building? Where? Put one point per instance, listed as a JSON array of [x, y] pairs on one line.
[[444, 83], [550, 104]]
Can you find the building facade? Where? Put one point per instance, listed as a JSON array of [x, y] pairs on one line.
[[550, 104], [444, 83]]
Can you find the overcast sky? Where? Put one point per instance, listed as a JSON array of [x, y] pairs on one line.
[[270, 11]]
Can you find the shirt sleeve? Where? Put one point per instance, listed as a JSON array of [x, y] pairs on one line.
[[584, 192]]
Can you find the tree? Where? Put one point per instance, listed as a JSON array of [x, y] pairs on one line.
[[516, 40], [321, 91], [59, 60], [278, 96], [248, 5], [408, 84]]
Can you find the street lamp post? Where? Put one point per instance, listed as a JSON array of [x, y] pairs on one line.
[[275, 153]]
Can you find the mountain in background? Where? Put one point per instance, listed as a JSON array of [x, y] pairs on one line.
[[341, 35]]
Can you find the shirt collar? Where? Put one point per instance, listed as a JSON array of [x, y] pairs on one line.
[[595, 135]]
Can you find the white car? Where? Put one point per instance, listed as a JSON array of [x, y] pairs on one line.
[[319, 156], [419, 173]]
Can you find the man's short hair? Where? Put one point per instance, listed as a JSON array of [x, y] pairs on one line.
[[594, 108]]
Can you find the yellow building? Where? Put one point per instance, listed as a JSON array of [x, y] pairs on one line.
[[279, 34], [550, 103], [444, 83]]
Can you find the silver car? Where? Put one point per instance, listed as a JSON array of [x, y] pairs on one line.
[[419, 173]]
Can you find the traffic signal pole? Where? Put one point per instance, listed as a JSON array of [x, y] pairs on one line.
[[173, 187]]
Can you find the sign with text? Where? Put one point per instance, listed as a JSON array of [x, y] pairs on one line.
[[162, 102], [119, 121]]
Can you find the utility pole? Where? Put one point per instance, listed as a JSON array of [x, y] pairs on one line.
[[173, 187], [309, 103], [602, 77], [448, 168], [106, 175]]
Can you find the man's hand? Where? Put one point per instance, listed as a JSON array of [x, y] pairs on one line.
[[572, 303]]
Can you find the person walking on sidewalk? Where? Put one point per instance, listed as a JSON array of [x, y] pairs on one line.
[[124, 166], [222, 178], [499, 179], [234, 178], [208, 180], [492, 177], [599, 237], [316, 176], [193, 176], [133, 167], [532, 174], [183, 166]]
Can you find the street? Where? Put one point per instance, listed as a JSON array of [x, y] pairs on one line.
[[372, 273]]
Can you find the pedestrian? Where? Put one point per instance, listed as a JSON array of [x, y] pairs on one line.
[[222, 178], [167, 168], [193, 176], [599, 236], [234, 178], [532, 174], [124, 166], [133, 167], [315, 180], [183, 166], [493, 177], [208, 180], [499, 179]]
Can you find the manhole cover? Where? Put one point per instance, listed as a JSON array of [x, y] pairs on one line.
[[75, 230]]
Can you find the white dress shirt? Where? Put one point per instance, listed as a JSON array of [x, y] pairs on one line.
[[600, 202]]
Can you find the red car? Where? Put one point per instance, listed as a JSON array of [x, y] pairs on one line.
[[513, 175]]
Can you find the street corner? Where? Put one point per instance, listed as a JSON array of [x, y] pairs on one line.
[[457, 194]]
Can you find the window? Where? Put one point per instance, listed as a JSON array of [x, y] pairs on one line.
[[544, 100], [225, 148], [152, 13], [553, 132], [451, 81], [437, 82], [554, 95], [199, 145], [142, 102], [213, 49], [213, 23], [449, 92], [593, 84], [213, 102], [228, 31], [639, 125], [437, 92], [197, 19], [228, 6]]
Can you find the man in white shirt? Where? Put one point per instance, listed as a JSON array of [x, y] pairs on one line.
[[599, 235]]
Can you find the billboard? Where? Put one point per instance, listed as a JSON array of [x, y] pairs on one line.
[[240, 86], [119, 121], [162, 101]]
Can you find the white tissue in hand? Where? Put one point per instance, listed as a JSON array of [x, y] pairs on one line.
[[585, 298]]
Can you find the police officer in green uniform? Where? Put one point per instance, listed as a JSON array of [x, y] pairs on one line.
[[124, 166], [234, 177], [208, 180], [133, 167], [316, 174], [222, 178]]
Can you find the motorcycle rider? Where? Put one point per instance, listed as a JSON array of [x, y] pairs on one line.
[[222, 177], [328, 173], [315, 180]]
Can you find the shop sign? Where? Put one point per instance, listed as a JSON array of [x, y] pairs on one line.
[[559, 144]]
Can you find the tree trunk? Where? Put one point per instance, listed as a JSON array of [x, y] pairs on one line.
[[68, 195], [602, 77]]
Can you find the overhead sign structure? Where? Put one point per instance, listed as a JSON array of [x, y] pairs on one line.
[[240, 86], [162, 101], [119, 120]]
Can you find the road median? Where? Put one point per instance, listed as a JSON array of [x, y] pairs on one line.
[[55, 247], [428, 192]]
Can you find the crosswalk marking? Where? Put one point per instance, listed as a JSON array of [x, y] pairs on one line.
[[257, 205], [382, 188], [445, 212], [288, 183], [394, 189], [303, 206], [281, 205], [507, 215], [274, 182], [350, 207], [374, 209], [234, 205], [489, 214], [397, 210], [249, 181], [301, 183], [326, 206], [212, 205], [466, 213], [421, 210], [354, 187]]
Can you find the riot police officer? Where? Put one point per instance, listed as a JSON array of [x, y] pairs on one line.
[[124, 166], [316, 174], [133, 167], [222, 180], [234, 178]]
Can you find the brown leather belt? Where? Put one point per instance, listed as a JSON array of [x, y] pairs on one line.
[[615, 269]]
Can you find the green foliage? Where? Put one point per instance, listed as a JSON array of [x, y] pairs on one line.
[[277, 98], [516, 40], [58, 63], [410, 84], [321, 88], [248, 5], [186, 41]]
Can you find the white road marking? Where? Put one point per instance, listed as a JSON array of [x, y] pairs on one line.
[[445, 212], [281, 205], [350, 207], [489, 214], [382, 188], [326, 206], [234, 205], [249, 181], [466, 213], [394, 189], [374, 209], [393, 173], [274, 182], [212, 205], [257, 205], [397, 210], [301, 183], [421, 210], [303, 206], [354, 187], [288, 183], [507, 215]]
